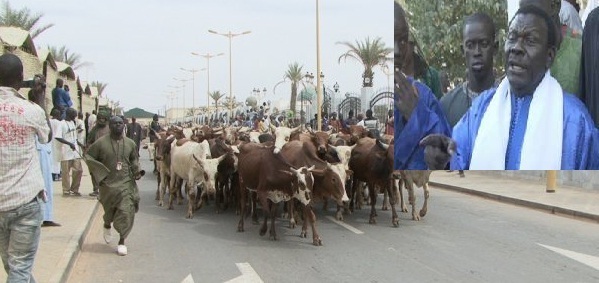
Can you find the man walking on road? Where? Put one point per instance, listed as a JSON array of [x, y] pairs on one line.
[[21, 185], [119, 194], [134, 132]]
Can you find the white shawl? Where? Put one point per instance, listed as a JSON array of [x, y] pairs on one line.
[[542, 145]]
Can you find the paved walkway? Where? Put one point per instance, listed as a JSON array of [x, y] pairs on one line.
[[571, 201], [60, 246]]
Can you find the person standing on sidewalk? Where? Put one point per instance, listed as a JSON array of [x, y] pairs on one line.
[[55, 125], [99, 130], [119, 194], [61, 99], [478, 46], [21, 183], [71, 158]]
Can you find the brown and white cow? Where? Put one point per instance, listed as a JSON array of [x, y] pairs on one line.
[[329, 179], [274, 180], [282, 136]]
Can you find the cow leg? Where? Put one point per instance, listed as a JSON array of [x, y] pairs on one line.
[[309, 216], [242, 198], [412, 199], [253, 199], [265, 209], [291, 212], [325, 204], [400, 183], [353, 199], [179, 191], [393, 200], [339, 213], [273, 216], [173, 183], [425, 204], [372, 191], [158, 189], [385, 205], [192, 192]]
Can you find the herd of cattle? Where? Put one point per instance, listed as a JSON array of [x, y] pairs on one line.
[[240, 168]]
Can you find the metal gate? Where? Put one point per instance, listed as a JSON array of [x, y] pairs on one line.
[[349, 103], [381, 103]]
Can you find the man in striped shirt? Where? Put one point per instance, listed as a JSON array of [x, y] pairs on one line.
[[21, 182]]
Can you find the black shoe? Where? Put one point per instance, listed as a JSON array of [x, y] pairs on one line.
[[93, 194], [77, 194], [66, 194], [50, 224]]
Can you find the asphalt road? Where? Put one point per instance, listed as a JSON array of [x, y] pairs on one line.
[[462, 239]]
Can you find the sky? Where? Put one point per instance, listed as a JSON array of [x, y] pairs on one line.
[[137, 47]]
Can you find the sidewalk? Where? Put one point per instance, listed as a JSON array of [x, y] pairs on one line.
[[571, 201], [60, 246]]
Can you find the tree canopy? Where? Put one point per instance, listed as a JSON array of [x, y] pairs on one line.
[[22, 18], [437, 26]]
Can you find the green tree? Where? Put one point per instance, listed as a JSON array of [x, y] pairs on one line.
[[437, 26], [369, 53], [22, 18], [230, 102], [63, 54], [295, 76], [100, 86]]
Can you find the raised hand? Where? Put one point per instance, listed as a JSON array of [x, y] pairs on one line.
[[438, 150], [406, 95]]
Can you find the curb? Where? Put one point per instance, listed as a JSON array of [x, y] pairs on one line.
[[74, 249], [520, 202]]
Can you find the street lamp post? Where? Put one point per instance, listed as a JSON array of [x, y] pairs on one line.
[[193, 90], [183, 87], [318, 71], [207, 56], [336, 88], [230, 36]]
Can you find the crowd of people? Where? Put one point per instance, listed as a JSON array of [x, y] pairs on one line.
[[37, 150], [541, 116]]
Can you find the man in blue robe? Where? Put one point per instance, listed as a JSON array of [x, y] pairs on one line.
[[528, 122], [417, 112]]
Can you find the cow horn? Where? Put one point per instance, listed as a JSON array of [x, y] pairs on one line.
[[197, 160], [296, 129], [221, 158], [311, 168], [329, 132], [216, 129], [383, 145], [272, 127]]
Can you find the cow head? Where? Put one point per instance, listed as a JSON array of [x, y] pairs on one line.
[[282, 135], [162, 147], [303, 183], [320, 140], [344, 154], [333, 181], [210, 169]]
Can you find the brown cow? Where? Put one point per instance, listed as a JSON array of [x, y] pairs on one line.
[[274, 180], [225, 170], [372, 163]]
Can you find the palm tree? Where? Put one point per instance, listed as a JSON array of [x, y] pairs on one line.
[[370, 53], [22, 19], [63, 54], [216, 96], [100, 86], [293, 74]]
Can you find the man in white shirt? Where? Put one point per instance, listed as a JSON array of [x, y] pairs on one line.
[[71, 159]]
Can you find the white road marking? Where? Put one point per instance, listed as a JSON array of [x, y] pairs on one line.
[[592, 261], [248, 274], [188, 279], [345, 225]]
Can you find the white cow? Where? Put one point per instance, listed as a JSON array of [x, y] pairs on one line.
[[282, 135], [189, 162]]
